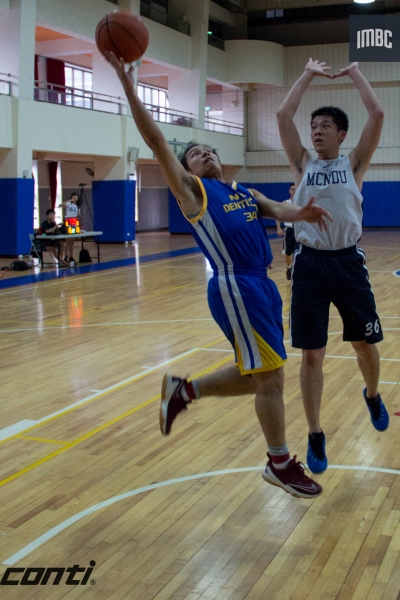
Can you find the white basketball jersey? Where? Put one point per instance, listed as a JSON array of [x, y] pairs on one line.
[[332, 184]]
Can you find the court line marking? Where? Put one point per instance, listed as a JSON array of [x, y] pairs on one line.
[[124, 324], [28, 424], [110, 271], [41, 328], [29, 548], [343, 357], [39, 439], [89, 434]]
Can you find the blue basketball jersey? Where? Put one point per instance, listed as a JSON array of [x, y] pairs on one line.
[[229, 229], [243, 301]]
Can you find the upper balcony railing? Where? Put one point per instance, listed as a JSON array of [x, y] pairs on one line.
[[5, 84], [160, 16], [221, 126], [61, 94], [67, 96]]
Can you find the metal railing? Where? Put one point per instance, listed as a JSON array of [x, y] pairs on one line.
[[78, 98], [221, 126], [5, 87], [170, 115], [160, 16]]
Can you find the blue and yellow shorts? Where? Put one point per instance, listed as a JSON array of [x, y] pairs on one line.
[[248, 308]]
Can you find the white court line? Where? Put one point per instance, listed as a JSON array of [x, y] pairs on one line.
[[348, 357], [216, 350], [88, 511], [64, 327], [110, 271], [124, 323], [21, 425]]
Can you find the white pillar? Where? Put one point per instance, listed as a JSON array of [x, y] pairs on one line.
[[187, 91], [133, 5], [17, 46]]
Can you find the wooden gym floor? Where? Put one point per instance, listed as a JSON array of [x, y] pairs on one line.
[[86, 475]]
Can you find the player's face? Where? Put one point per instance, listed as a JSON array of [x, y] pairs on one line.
[[292, 191], [325, 136], [203, 162]]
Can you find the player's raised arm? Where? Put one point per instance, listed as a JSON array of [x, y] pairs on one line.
[[182, 184], [297, 155], [361, 156]]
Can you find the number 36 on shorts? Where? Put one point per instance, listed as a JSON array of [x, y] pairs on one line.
[[371, 327]]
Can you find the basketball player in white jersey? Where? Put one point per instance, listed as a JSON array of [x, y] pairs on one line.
[[329, 266], [289, 242]]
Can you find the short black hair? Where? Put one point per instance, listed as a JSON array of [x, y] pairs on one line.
[[189, 146], [338, 115], [74, 194], [50, 210]]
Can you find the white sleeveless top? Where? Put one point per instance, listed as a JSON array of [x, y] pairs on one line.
[[333, 185]]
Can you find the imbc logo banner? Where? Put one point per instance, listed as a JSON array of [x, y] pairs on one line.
[[374, 38]]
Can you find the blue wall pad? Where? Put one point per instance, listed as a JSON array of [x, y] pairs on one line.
[[16, 201], [381, 204], [176, 221], [114, 210]]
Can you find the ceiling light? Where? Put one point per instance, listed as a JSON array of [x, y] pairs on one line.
[[364, 1]]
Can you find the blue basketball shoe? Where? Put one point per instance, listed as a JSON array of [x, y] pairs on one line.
[[316, 457], [377, 410]]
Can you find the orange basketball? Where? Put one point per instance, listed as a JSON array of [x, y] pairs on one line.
[[123, 33]]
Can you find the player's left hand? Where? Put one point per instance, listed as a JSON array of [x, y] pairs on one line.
[[346, 71], [312, 213]]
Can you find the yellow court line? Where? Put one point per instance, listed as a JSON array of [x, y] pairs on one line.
[[101, 428], [37, 439], [100, 395]]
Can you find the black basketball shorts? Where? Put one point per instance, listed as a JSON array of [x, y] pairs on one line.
[[290, 243], [340, 277]]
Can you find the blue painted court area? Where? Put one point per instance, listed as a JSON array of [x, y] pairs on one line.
[[91, 268]]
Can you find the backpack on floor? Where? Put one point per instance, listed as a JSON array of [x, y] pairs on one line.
[[19, 265], [84, 256]]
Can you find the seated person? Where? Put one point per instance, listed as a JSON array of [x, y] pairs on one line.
[[50, 227]]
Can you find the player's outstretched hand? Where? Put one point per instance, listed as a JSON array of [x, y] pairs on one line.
[[347, 70], [317, 68], [312, 213], [126, 76]]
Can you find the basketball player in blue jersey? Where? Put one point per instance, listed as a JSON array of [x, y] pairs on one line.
[[329, 266], [225, 221]]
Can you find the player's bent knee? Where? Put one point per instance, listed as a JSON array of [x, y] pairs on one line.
[[268, 379]]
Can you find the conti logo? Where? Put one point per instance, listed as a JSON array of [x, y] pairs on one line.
[[52, 575], [374, 37]]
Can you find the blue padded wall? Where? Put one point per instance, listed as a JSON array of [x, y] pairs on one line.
[[17, 203], [176, 221], [381, 205], [114, 210]]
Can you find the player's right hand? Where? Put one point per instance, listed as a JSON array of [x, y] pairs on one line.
[[317, 68]]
